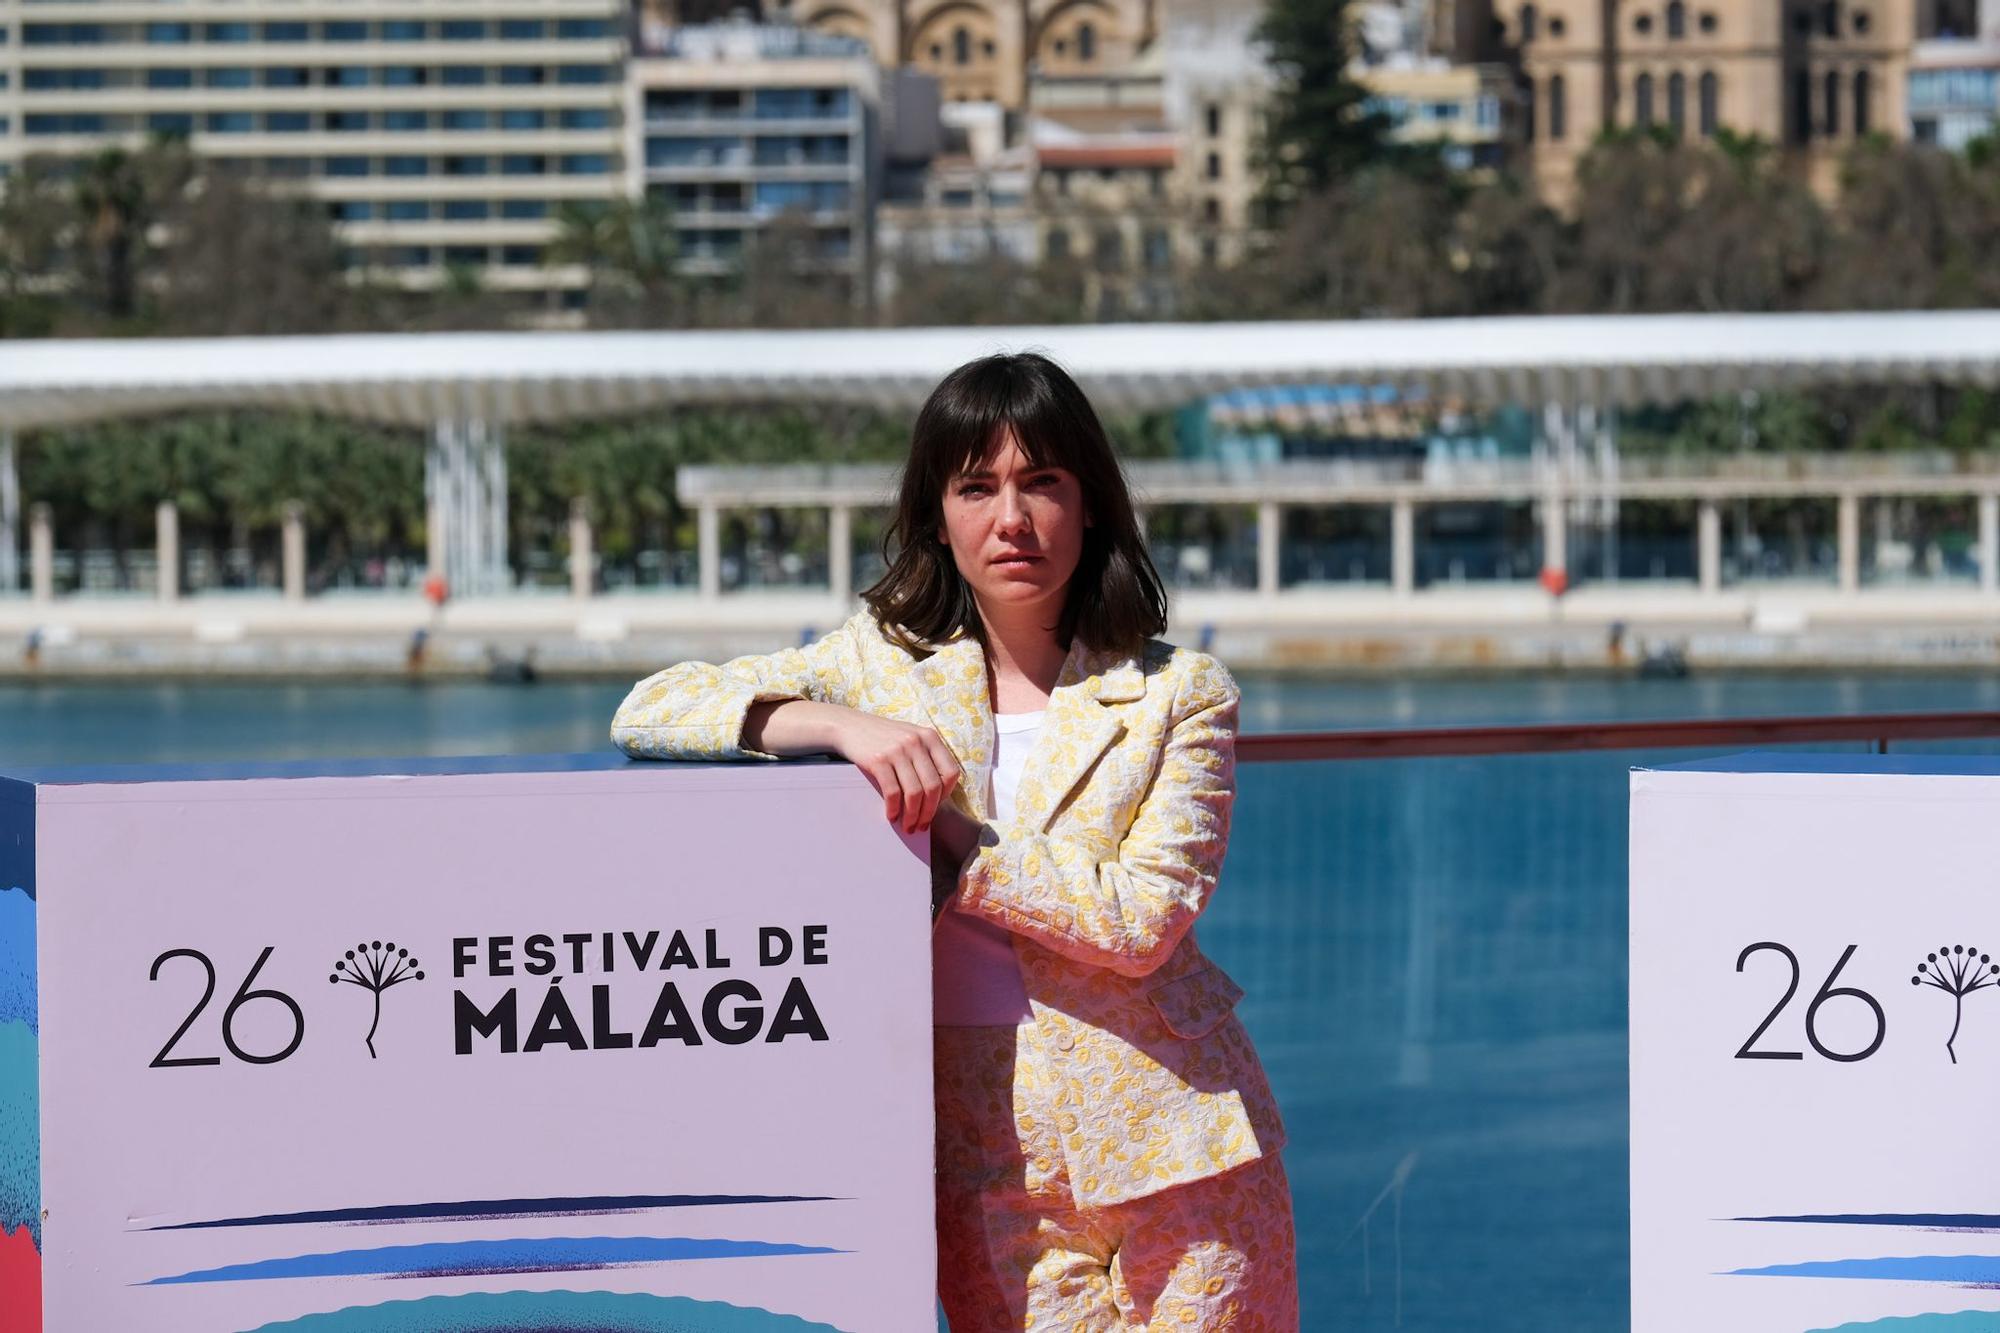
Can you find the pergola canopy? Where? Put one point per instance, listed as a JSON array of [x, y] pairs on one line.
[[418, 379]]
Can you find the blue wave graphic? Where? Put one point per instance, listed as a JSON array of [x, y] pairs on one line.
[[1961, 1270], [554, 1254], [486, 1210], [1916, 1221], [20, 1131], [549, 1312], [1962, 1321], [17, 959]]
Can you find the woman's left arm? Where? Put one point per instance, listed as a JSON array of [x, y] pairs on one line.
[[1127, 912]]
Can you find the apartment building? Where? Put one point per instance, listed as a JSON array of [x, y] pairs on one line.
[[1954, 94], [442, 136], [739, 125]]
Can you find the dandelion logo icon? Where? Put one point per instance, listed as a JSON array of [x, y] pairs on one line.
[[1958, 970], [376, 967]]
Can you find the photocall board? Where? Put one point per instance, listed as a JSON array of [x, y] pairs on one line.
[[560, 1043], [1815, 1044]]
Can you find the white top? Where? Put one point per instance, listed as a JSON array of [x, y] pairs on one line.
[[975, 978]]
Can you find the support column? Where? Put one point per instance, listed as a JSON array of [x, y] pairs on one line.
[[1267, 547], [1850, 542], [1708, 546], [708, 549], [293, 551], [582, 550], [167, 549], [840, 554], [1403, 547], [1559, 468], [42, 553], [1989, 543], [10, 516], [438, 480], [1555, 532]]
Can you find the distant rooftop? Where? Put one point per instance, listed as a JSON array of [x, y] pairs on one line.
[[744, 40]]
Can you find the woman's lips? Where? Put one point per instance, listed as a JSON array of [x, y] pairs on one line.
[[1005, 561]]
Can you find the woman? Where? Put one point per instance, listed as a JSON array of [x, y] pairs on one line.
[[1107, 1147]]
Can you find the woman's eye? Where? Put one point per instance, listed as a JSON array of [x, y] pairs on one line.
[[970, 490]]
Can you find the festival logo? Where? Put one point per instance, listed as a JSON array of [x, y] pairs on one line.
[[375, 967]]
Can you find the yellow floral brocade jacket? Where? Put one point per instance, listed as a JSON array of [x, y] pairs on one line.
[[1115, 844]]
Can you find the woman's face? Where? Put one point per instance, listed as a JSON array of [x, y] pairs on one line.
[[1015, 531]]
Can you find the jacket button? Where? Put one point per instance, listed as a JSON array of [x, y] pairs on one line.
[[1065, 1042]]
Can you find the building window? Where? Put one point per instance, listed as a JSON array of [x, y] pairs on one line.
[[343, 31], [230, 77], [462, 30], [580, 29], [523, 210], [349, 76], [1158, 248], [1214, 119], [1642, 24], [1830, 87], [586, 118], [1677, 103], [467, 166], [961, 46], [406, 122], [465, 119], [1861, 120], [583, 74], [1057, 244], [522, 118], [1829, 18], [521, 30], [405, 76], [1213, 168], [287, 32], [1860, 21], [1528, 17], [1677, 19], [1708, 22], [352, 210], [170, 78], [464, 76], [170, 34], [524, 164], [1710, 96], [170, 122], [408, 210], [286, 122], [467, 210], [1211, 211], [1209, 250], [1802, 21], [406, 166], [347, 122], [402, 30], [1528, 111], [517, 75], [1642, 101], [287, 76], [226, 32], [1556, 25], [1558, 106], [1801, 106], [346, 166], [585, 164], [230, 122], [1086, 42]]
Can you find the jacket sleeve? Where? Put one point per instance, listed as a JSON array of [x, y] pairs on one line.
[[695, 710], [1127, 911]]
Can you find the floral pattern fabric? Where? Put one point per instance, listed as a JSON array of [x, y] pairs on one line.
[[1015, 1251], [1115, 844]]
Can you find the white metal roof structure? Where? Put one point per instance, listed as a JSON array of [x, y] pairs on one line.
[[420, 379]]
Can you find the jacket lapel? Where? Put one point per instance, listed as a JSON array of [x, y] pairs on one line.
[[951, 686], [1077, 727]]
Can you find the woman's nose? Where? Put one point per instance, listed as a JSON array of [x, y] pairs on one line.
[[1013, 515]]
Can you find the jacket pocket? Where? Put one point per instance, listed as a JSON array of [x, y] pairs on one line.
[[1193, 1005]]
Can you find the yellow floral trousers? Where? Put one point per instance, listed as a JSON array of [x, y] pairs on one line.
[[1016, 1252]]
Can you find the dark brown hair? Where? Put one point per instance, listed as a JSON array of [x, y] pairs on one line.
[[1115, 599]]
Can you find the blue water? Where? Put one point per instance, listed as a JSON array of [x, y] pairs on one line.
[[1434, 949]]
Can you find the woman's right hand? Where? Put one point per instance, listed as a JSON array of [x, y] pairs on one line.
[[910, 765]]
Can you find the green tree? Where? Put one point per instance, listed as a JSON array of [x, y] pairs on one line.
[[1319, 128]]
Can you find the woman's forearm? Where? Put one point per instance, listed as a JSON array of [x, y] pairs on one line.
[[792, 727]]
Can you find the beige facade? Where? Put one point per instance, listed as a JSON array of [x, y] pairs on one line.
[[440, 136], [1809, 75], [1464, 109], [987, 50]]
